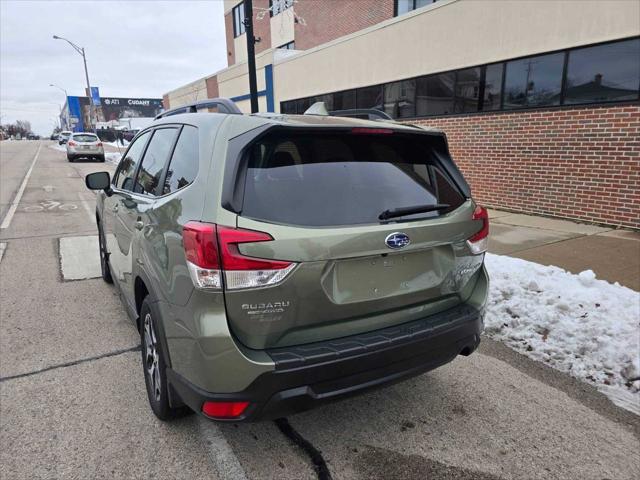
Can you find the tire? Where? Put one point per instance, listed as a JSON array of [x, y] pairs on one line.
[[104, 262], [101, 159], [70, 158], [153, 366]]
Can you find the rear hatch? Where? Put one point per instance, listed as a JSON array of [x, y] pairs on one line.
[[355, 255]]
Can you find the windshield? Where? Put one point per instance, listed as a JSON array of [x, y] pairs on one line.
[[340, 179]]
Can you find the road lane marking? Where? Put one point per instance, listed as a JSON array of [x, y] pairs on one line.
[[221, 454], [16, 200], [80, 258], [3, 247]]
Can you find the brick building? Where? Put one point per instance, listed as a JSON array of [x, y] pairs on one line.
[[540, 100]]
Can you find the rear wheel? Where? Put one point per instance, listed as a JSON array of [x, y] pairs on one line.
[[104, 259], [155, 376], [101, 158], [70, 158]]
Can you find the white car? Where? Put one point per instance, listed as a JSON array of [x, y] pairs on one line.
[[64, 136], [84, 144]]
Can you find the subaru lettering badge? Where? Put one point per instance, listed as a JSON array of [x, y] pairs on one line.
[[397, 240]]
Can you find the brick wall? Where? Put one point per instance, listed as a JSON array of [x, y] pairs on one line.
[[212, 87], [165, 101], [580, 163], [261, 28], [228, 28], [330, 19]]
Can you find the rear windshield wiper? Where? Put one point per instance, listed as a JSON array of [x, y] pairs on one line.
[[401, 212]]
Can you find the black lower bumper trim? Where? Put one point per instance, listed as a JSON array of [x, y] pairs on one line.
[[417, 348]]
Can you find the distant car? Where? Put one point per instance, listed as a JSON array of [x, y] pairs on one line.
[[33, 136], [86, 145], [63, 137], [54, 136]]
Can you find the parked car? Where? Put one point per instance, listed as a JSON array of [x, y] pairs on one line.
[[84, 145], [273, 263], [63, 137], [54, 136]]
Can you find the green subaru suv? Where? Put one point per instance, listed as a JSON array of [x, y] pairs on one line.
[[276, 262]]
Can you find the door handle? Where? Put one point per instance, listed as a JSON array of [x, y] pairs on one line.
[[139, 225], [115, 208]]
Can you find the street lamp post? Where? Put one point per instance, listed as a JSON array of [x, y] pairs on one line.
[[80, 50], [66, 102]]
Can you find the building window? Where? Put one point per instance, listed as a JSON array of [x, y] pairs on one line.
[[533, 81], [434, 94], [600, 73], [369, 97], [405, 6], [492, 87], [604, 73], [344, 100], [400, 99], [279, 6], [467, 91], [238, 19], [288, 46]]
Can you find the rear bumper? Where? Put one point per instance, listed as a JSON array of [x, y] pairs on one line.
[[313, 374]]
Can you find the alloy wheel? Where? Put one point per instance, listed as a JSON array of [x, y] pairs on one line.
[[151, 357]]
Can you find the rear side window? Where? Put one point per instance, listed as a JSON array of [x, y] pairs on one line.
[[85, 138], [155, 158], [340, 179], [128, 165], [184, 161]]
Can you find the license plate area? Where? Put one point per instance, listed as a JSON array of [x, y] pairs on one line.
[[384, 276]]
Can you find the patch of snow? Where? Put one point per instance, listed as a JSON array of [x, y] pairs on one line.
[[586, 327], [112, 157], [117, 144]]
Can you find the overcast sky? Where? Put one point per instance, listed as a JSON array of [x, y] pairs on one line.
[[134, 49]]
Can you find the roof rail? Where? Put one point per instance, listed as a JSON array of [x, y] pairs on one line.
[[224, 105], [367, 113]]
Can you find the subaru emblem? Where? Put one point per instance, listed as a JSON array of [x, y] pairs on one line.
[[397, 240]]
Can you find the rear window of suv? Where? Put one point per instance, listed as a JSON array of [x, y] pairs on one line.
[[85, 138], [333, 179]]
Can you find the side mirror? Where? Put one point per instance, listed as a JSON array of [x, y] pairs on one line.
[[99, 181]]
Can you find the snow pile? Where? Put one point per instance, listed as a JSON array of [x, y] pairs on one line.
[[112, 157], [60, 148], [575, 323], [117, 144]]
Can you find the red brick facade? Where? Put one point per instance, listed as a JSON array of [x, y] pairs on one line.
[[212, 87], [261, 28], [327, 20], [228, 28], [581, 163]]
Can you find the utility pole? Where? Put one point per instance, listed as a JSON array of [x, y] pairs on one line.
[[80, 50], [251, 54], [66, 102]]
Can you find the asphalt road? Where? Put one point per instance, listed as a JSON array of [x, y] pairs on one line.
[[73, 403]]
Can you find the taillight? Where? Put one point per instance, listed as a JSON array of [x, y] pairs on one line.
[[212, 250], [99, 144], [479, 241], [224, 409], [72, 143]]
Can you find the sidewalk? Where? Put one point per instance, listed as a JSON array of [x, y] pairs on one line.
[[614, 255]]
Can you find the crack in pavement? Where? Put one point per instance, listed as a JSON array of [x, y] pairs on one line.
[[70, 364], [320, 465]]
